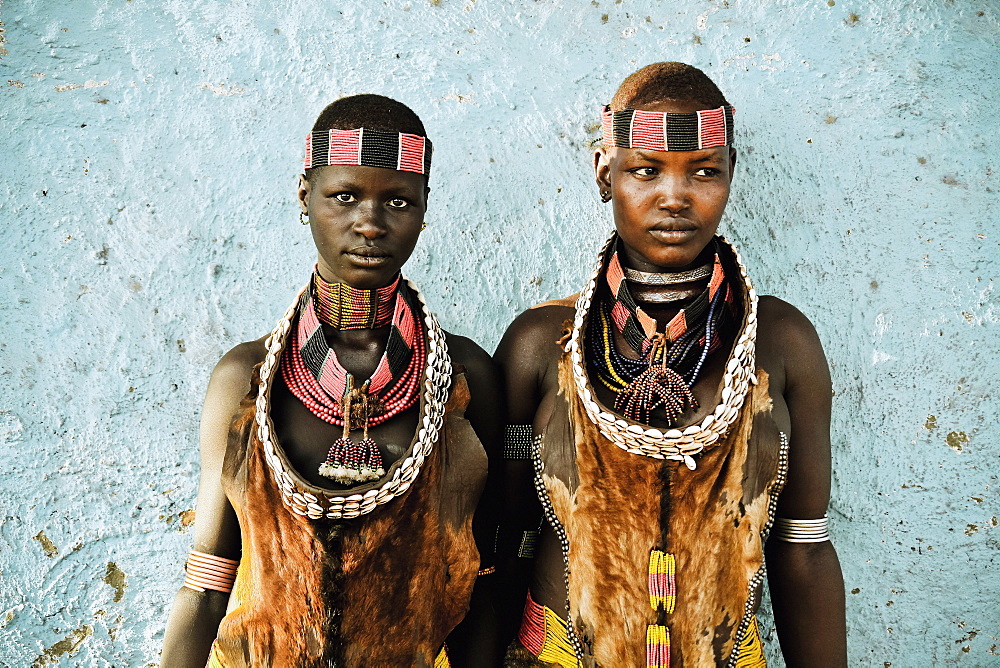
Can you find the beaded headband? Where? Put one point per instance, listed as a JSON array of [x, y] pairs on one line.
[[370, 148], [659, 131]]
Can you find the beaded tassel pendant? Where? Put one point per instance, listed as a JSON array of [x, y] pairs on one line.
[[662, 597], [348, 462], [658, 385]]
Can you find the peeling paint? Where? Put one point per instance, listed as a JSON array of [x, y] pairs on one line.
[[68, 645], [931, 423], [956, 440], [47, 545], [463, 99], [187, 518], [62, 88], [115, 578], [222, 89]]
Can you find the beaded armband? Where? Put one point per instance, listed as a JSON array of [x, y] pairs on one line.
[[526, 550], [801, 531], [207, 571], [489, 570], [517, 441]]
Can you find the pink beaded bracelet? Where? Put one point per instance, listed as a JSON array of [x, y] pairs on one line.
[[207, 571]]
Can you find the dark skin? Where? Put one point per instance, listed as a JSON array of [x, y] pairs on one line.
[[667, 207], [365, 222]]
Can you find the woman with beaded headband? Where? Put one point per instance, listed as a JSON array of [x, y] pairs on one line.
[[667, 428], [344, 456]]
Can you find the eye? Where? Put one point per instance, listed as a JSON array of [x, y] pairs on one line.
[[398, 203], [344, 197], [709, 172], [644, 172]]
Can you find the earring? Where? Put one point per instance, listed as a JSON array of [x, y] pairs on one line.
[[605, 196], [423, 226], [303, 219]]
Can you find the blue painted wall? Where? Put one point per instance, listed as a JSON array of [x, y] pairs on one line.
[[148, 155]]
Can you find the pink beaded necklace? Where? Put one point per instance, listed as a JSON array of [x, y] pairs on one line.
[[314, 375]]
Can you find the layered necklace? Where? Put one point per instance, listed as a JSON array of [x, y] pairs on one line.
[[666, 364], [315, 376], [634, 435]]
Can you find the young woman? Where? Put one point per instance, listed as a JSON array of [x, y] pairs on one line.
[[674, 425], [343, 455]]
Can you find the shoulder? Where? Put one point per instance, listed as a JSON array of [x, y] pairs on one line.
[[537, 331], [468, 353], [784, 324], [231, 377], [785, 333]]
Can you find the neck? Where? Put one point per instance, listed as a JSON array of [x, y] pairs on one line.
[[343, 307]]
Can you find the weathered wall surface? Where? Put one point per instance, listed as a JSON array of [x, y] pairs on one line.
[[148, 155]]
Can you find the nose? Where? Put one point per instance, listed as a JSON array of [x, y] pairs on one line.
[[673, 194], [369, 221]]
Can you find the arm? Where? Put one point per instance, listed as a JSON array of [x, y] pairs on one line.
[[475, 641], [807, 588], [195, 616], [526, 356]]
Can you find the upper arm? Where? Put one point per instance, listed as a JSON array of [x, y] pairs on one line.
[[486, 408], [525, 356], [807, 394], [485, 413], [216, 529]]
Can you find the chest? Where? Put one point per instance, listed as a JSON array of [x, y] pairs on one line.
[[306, 439]]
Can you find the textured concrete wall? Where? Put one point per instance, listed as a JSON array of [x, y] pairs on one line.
[[148, 153]]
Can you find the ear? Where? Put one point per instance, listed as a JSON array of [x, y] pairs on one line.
[[304, 193], [602, 169], [732, 162]]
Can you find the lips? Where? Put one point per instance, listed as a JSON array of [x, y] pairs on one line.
[[368, 256], [674, 232], [675, 225]]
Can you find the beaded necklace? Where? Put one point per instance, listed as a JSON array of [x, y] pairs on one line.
[[315, 376], [672, 444], [668, 363], [344, 307], [315, 503]]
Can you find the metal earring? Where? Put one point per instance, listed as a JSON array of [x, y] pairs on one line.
[[302, 218], [605, 196], [423, 226]]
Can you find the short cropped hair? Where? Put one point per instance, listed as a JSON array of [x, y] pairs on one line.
[[375, 112], [660, 82]]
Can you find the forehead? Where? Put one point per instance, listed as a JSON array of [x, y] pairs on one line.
[[361, 176], [628, 156], [673, 106]]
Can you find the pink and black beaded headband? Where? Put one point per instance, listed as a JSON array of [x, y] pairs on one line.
[[659, 131], [369, 148]]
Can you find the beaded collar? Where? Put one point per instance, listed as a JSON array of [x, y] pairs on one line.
[[317, 503], [668, 364], [673, 444], [344, 307]]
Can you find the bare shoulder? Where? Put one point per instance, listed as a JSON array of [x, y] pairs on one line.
[[231, 377], [533, 336], [469, 354], [780, 317], [785, 333]]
